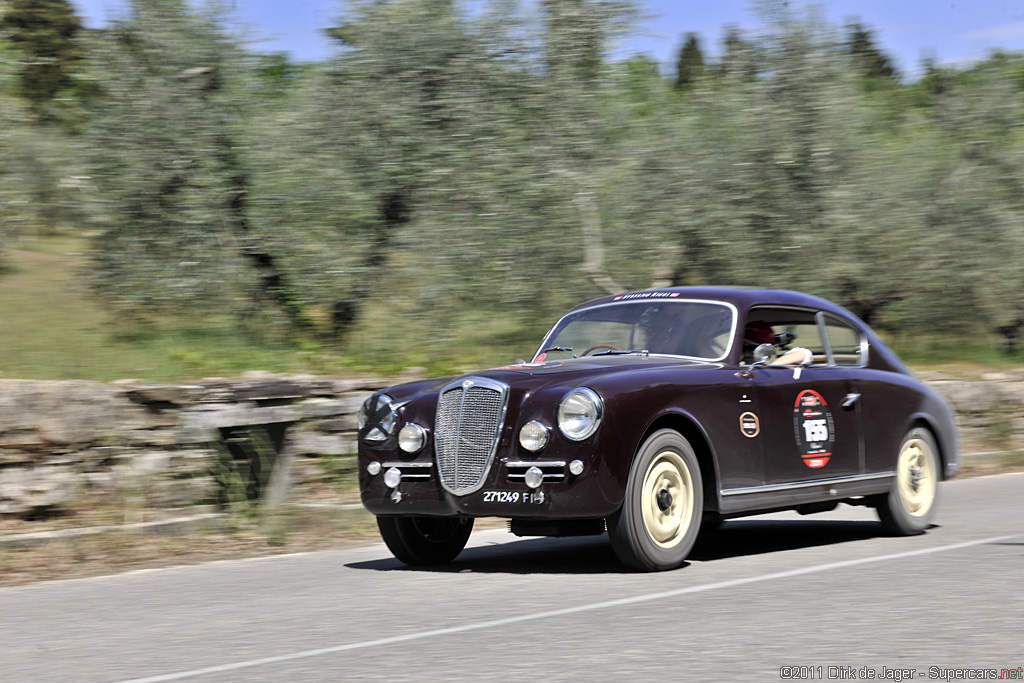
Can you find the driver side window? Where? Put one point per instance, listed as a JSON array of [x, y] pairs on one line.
[[792, 328]]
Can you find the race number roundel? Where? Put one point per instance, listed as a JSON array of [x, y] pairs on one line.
[[815, 431]]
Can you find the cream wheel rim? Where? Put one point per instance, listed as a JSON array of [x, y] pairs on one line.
[[667, 499], [917, 477]]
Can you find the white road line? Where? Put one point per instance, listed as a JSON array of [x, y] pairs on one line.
[[419, 635]]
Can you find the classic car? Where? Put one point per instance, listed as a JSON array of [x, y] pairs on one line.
[[654, 415]]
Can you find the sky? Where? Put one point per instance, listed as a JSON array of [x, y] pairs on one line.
[[951, 31]]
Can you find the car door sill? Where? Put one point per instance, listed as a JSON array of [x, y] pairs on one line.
[[782, 495]]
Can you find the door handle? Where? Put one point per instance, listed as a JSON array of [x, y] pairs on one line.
[[850, 400]]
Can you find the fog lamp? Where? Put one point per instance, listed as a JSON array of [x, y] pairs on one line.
[[534, 477], [373, 469], [533, 436], [576, 467], [392, 478], [411, 438]]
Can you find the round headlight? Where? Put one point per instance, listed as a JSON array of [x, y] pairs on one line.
[[579, 414], [533, 436], [377, 418], [385, 413], [411, 438]]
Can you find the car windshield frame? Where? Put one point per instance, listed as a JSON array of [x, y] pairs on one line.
[[564, 321]]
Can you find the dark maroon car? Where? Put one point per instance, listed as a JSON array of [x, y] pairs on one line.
[[654, 415]]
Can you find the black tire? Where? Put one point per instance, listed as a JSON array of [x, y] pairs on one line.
[[425, 540], [909, 506], [660, 517]]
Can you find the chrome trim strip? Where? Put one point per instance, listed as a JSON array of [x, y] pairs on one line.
[[806, 484], [400, 465], [538, 463], [517, 477]]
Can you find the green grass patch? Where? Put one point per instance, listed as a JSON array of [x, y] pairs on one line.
[[52, 327]]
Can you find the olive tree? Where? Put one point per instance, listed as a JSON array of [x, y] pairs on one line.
[[172, 176]]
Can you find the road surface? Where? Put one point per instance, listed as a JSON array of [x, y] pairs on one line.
[[778, 597]]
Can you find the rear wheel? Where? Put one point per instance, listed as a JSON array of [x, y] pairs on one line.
[[909, 506], [425, 540], [660, 516]]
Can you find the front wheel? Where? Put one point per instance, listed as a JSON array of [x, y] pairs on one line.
[[910, 504], [660, 516], [425, 540]]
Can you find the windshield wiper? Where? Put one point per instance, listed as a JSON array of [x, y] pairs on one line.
[[621, 352], [563, 349]]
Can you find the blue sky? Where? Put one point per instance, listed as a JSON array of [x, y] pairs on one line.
[[950, 30]]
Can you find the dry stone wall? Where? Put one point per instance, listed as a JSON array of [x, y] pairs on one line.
[[62, 442]]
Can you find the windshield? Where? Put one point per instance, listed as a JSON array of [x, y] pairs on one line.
[[696, 329]]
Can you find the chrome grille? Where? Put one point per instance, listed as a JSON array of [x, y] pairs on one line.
[[470, 414]]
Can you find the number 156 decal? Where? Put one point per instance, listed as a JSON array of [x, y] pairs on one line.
[[814, 428]]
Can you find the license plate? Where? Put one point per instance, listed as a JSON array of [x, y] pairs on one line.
[[513, 497]]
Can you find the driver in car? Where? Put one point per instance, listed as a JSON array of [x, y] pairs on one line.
[[759, 332]]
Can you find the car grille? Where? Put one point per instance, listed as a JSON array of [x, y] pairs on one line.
[[470, 413]]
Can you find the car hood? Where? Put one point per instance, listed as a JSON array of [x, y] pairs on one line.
[[570, 373]]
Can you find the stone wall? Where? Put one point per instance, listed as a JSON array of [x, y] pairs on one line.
[[990, 407], [172, 446]]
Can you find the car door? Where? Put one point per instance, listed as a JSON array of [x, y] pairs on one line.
[[809, 416]]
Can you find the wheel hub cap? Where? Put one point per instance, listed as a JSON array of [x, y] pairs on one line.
[[917, 477], [667, 499]]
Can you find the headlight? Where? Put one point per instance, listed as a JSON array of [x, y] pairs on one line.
[[579, 414], [411, 438], [533, 436], [378, 414]]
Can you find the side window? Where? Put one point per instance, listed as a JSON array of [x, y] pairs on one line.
[[846, 342], [791, 327], [808, 336]]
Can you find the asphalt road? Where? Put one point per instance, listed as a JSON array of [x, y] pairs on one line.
[[762, 598]]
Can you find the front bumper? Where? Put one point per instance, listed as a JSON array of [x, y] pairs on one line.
[[562, 495]]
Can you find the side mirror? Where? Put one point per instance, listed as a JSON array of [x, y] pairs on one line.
[[764, 354]]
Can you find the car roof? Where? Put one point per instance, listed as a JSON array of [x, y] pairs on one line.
[[742, 298]]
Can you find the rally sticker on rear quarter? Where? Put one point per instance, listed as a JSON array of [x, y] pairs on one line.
[[815, 431]]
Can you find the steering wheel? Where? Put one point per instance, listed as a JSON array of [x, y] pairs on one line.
[[595, 347]]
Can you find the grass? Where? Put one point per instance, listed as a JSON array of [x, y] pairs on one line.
[[51, 327], [957, 354]]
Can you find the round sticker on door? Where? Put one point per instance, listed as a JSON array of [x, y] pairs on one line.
[[815, 431], [750, 425]]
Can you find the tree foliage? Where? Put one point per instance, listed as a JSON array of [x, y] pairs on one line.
[[43, 32], [690, 64], [452, 167], [167, 158]]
